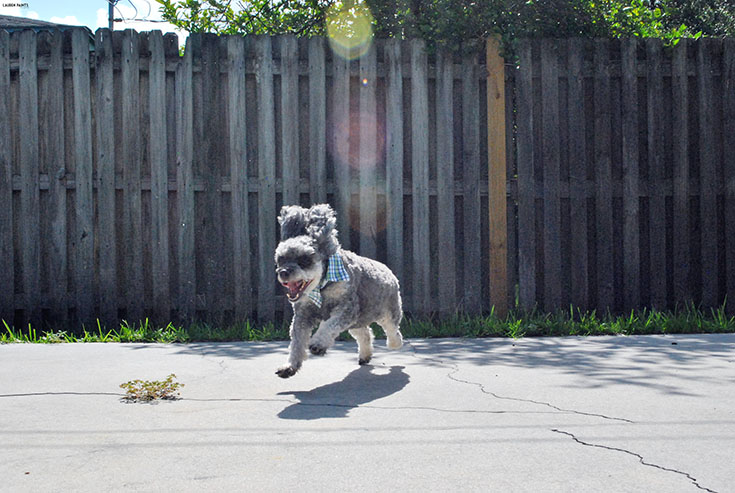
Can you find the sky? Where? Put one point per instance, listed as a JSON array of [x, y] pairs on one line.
[[137, 14]]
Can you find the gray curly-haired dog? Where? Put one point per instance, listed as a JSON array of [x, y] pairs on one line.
[[331, 288]]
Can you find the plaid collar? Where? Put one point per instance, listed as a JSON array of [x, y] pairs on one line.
[[336, 272]]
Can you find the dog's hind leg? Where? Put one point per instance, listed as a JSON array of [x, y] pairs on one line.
[[392, 331], [364, 337]]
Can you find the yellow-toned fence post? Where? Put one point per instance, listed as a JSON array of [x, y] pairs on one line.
[[496, 128]]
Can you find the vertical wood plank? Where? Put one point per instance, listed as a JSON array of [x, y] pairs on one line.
[[603, 176], [631, 193], [159, 179], [728, 89], [211, 173], [131, 150], [707, 174], [445, 181], [57, 203], [551, 164], [237, 118], [394, 156], [472, 221], [368, 157], [420, 175], [84, 214], [577, 177], [526, 192], [7, 260], [290, 118], [340, 145], [266, 178], [656, 175], [29, 173], [105, 123], [185, 184], [317, 122], [680, 107], [497, 178]]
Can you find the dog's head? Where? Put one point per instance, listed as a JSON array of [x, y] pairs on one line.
[[308, 238]]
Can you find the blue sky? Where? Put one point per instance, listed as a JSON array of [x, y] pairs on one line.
[[90, 13]]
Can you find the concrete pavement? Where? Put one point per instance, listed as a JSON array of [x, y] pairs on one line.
[[644, 413]]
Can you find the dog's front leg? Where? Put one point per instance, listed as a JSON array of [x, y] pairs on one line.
[[328, 331], [300, 331]]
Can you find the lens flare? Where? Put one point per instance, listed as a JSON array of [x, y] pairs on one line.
[[350, 28]]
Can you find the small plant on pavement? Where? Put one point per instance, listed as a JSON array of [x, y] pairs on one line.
[[147, 391]]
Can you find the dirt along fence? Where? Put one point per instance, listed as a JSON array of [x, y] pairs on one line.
[[138, 182]]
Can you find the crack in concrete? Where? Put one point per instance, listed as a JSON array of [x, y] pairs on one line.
[[455, 369], [638, 456]]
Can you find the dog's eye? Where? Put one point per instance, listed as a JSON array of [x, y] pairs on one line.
[[303, 262]]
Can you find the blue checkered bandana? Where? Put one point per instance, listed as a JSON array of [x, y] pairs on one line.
[[336, 272]]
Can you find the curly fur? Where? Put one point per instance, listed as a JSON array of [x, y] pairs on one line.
[[308, 239]]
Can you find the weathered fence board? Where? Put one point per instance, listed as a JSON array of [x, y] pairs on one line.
[[340, 146], [420, 175], [728, 89], [185, 185], [631, 177], [497, 174], [159, 179], [445, 182], [367, 161], [84, 208], [267, 177], [7, 260], [394, 157], [603, 176], [29, 172], [132, 158], [317, 122], [577, 177], [290, 119], [550, 155], [105, 122], [472, 217], [707, 174], [237, 112], [680, 101], [656, 174], [526, 179]]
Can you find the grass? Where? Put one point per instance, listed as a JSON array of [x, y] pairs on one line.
[[517, 324]]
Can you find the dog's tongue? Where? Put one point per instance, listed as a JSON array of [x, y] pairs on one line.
[[293, 287]]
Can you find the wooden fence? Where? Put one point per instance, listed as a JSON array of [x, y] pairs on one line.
[[136, 182], [625, 156]]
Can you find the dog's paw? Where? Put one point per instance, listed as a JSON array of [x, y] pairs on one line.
[[364, 361], [317, 350], [286, 371]]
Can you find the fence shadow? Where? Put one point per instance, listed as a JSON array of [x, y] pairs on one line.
[[335, 400], [661, 363]]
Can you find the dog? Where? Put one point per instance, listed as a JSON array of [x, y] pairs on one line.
[[331, 288]]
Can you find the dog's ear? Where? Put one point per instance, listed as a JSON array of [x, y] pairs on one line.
[[293, 221], [321, 222]]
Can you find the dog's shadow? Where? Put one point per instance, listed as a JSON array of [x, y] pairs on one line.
[[335, 400]]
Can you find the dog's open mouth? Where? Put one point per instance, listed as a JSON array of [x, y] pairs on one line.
[[296, 288]]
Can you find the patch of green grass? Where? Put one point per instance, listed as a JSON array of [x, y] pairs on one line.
[[517, 324]]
